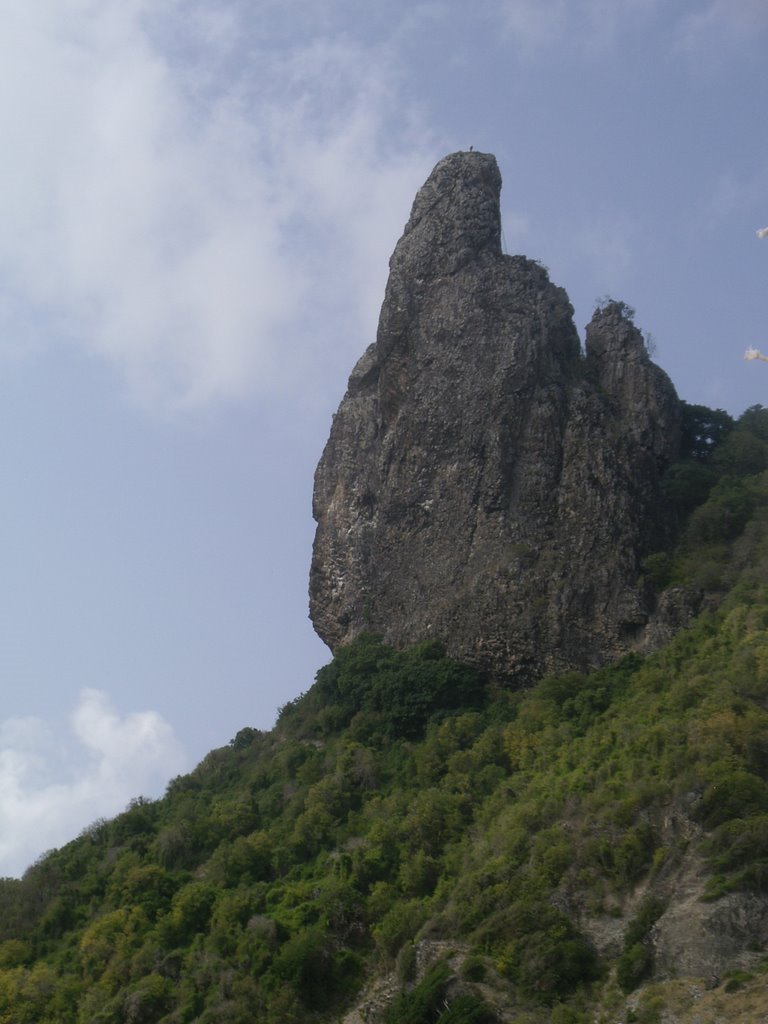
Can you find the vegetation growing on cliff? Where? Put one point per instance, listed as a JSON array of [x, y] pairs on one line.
[[404, 801]]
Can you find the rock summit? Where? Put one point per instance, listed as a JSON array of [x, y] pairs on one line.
[[486, 483]]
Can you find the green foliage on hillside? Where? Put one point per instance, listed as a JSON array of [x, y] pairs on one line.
[[380, 694], [404, 800], [716, 450]]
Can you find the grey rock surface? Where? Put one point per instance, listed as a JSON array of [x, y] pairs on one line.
[[485, 483]]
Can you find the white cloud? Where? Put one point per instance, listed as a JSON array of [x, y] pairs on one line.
[[52, 785], [170, 186]]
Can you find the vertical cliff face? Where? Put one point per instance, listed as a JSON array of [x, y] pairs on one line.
[[485, 483]]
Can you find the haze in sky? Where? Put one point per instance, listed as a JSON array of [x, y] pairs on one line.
[[198, 200]]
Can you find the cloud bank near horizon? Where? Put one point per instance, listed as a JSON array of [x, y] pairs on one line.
[[53, 784]]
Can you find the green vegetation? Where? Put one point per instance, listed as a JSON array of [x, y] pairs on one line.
[[404, 800], [430, 1001], [636, 961], [717, 451]]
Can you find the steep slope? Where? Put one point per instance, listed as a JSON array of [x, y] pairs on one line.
[[410, 837], [484, 484]]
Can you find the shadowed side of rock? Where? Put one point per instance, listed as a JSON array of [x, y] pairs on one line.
[[484, 483]]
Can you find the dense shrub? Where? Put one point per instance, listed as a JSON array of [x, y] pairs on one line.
[[399, 692], [736, 794], [703, 430], [686, 485], [636, 961], [754, 420], [730, 505], [739, 848], [427, 1003], [540, 949], [467, 1009]]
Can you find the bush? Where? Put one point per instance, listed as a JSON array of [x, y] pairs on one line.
[[474, 968], [318, 976], [657, 569], [563, 1014], [636, 961], [467, 1009], [189, 915], [739, 842], [634, 965], [725, 514], [556, 962], [405, 966], [740, 847], [686, 485], [422, 1005], [398, 925], [741, 454], [147, 1000], [14, 952], [738, 794], [545, 954], [400, 690]]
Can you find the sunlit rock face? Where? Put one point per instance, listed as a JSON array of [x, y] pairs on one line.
[[486, 483]]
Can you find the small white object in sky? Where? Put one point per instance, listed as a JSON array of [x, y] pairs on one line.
[[753, 353], [762, 233]]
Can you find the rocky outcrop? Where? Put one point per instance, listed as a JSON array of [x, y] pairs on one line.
[[695, 935], [485, 483]]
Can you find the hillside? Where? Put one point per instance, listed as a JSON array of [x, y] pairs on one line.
[[414, 841]]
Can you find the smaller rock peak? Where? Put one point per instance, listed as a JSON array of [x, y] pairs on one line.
[[612, 334], [455, 217], [618, 361]]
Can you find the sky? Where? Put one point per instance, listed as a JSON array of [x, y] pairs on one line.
[[198, 201]]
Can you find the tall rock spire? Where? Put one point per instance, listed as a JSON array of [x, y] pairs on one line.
[[484, 484]]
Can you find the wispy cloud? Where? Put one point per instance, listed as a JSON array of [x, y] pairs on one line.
[[52, 785], [170, 186]]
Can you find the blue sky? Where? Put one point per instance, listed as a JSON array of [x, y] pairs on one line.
[[198, 200]]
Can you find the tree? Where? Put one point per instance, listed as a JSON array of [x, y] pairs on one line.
[[703, 429]]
